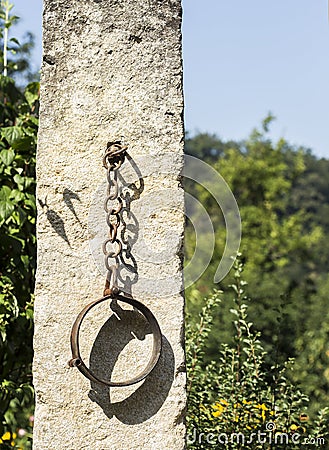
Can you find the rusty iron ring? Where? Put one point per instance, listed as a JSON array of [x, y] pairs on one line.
[[77, 361]]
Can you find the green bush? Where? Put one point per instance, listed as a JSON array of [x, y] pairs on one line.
[[236, 394]]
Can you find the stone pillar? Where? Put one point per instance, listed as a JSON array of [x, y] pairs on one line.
[[111, 70]]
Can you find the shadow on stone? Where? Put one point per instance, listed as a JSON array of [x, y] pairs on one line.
[[55, 221], [68, 196], [148, 397], [126, 262]]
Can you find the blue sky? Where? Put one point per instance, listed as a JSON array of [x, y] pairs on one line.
[[243, 59]]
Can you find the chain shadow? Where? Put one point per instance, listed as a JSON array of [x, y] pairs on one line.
[[127, 264], [121, 328]]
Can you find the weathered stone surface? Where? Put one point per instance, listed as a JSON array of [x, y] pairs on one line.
[[111, 69]]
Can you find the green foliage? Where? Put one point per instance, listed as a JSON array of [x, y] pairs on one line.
[[237, 393], [201, 383], [283, 197], [207, 146], [18, 135], [14, 55], [313, 348]]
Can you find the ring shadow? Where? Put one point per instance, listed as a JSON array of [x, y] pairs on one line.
[[122, 327]]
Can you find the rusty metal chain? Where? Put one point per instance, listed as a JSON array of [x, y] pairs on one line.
[[112, 161]]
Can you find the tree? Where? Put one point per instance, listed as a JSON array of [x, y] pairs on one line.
[[19, 124], [283, 239]]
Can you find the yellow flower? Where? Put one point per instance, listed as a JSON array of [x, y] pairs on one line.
[[219, 407], [7, 437], [262, 406], [293, 427], [263, 409]]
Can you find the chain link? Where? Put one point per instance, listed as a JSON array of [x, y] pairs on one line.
[[112, 247]]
